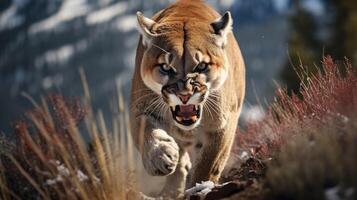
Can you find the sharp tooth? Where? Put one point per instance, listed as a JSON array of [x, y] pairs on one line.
[[194, 118], [178, 118], [174, 108], [196, 107]]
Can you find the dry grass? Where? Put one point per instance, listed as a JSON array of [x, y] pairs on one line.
[[65, 151]]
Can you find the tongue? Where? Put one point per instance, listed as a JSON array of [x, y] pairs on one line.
[[186, 111], [187, 108]]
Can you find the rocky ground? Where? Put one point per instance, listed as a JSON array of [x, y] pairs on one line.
[[245, 182]]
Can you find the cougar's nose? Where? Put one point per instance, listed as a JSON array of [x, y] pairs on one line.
[[184, 97]]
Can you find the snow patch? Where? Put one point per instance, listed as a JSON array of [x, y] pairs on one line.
[[339, 193], [252, 113], [106, 14], [201, 189], [316, 7], [281, 5], [63, 172], [21, 3], [126, 23], [9, 18], [61, 55], [69, 10], [48, 82], [81, 176], [226, 3], [343, 118], [244, 156]]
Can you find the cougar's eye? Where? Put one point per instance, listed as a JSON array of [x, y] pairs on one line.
[[202, 67], [166, 69]]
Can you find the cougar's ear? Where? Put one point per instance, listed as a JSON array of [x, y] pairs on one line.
[[221, 27], [145, 25]]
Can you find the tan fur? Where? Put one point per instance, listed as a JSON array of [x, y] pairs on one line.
[[184, 29]]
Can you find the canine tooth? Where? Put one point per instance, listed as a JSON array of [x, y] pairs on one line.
[[196, 107], [174, 108], [178, 118]]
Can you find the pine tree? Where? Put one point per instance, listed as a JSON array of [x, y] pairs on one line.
[[304, 46], [343, 29]]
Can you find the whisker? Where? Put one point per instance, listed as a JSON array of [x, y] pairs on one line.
[[156, 104], [213, 105], [160, 109], [214, 97], [214, 94], [141, 98], [210, 106], [210, 110], [213, 101], [147, 95], [207, 110], [151, 103], [160, 48], [163, 109], [143, 90]]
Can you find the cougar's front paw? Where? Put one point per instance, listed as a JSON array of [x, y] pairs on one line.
[[162, 154]]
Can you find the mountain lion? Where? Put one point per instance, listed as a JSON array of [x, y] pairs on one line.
[[187, 90]]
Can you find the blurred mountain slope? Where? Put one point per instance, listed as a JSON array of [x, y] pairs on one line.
[[44, 43]]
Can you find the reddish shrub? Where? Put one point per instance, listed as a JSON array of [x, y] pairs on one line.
[[330, 92]]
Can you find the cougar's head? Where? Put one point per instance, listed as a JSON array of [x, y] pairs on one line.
[[184, 62]]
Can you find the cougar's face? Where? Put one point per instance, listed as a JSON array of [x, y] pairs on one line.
[[184, 81]]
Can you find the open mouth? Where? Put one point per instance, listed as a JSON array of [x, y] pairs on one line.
[[186, 114]]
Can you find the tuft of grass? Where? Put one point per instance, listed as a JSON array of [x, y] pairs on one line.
[[64, 150]]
